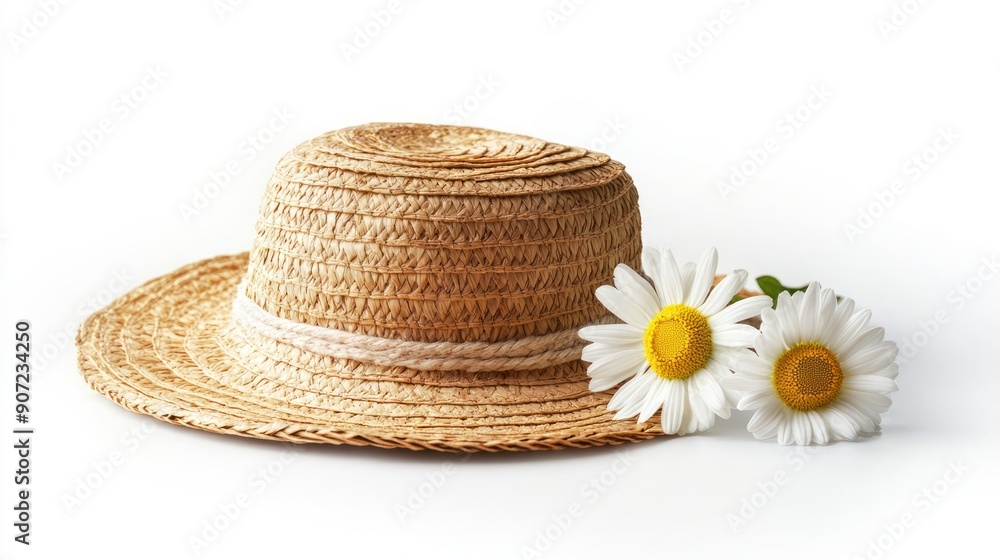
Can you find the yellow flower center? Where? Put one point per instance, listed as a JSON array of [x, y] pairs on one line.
[[678, 342], [807, 376]]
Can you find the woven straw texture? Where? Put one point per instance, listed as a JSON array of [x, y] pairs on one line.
[[436, 236]]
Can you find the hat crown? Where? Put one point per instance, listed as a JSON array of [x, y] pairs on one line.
[[441, 233]]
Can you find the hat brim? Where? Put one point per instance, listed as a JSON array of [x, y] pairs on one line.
[[167, 349]]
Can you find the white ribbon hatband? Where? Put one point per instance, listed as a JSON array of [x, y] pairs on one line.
[[527, 353]]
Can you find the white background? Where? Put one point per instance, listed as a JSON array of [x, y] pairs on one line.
[[70, 240]]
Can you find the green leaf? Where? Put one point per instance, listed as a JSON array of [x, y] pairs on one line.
[[772, 287]]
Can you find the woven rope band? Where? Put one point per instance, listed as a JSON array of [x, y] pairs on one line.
[[528, 353]]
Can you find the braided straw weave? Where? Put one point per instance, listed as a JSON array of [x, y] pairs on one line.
[[410, 286]]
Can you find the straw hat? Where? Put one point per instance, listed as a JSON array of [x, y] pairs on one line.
[[409, 286]]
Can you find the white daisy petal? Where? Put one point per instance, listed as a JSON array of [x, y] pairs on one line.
[[635, 386], [612, 334], [874, 383], [608, 379], [797, 297], [786, 432], [703, 277], [702, 417], [739, 311], [653, 401], [623, 307], [802, 429], [768, 318], [710, 392], [598, 350], [603, 383], [789, 318], [724, 412], [755, 367], [687, 277], [690, 422], [870, 360], [746, 383], [651, 264], [673, 408], [765, 420], [722, 374], [852, 327], [843, 311], [890, 371], [723, 292], [861, 341], [872, 418], [625, 358], [827, 308], [636, 288], [876, 403], [865, 423], [769, 345], [841, 426], [756, 399], [669, 285], [809, 319], [630, 410], [820, 432], [729, 355], [739, 335], [719, 370]]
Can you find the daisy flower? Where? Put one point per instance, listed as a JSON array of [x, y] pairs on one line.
[[820, 374], [678, 343]]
